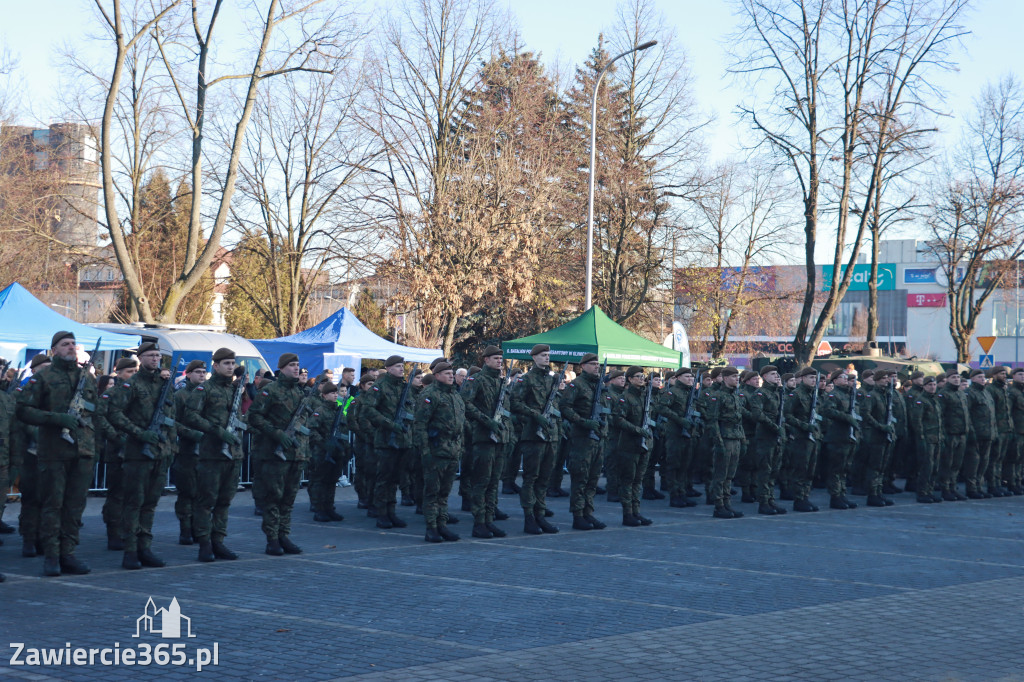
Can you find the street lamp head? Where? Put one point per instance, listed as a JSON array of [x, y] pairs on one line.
[[644, 46]]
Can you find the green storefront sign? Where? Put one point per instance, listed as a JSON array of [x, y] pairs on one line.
[[861, 277]]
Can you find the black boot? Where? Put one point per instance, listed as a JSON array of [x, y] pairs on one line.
[[51, 566], [419, 509], [545, 525], [748, 496], [481, 530], [495, 531], [371, 513], [596, 523], [677, 501], [222, 552], [630, 520], [71, 565], [875, 501], [803, 506], [509, 489], [925, 499], [288, 546], [948, 496], [548, 513], [184, 532], [335, 516], [114, 541], [274, 548], [500, 515], [778, 510], [580, 523], [321, 517], [891, 489], [452, 520], [766, 509], [530, 525], [384, 522], [837, 502], [446, 534], [28, 548], [644, 521], [395, 521], [692, 492], [131, 561], [735, 514], [206, 551], [432, 535], [960, 497], [147, 558]]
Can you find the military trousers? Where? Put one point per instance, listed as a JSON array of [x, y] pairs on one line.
[[994, 473], [675, 475], [484, 472], [276, 488], [767, 459], [63, 488], [411, 482], [183, 472], [438, 479], [216, 484], [144, 482], [747, 466], [726, 459], [1013, 466], [976, 463], [31, 499], [323, 480], [877, 452], [951, 459], [611, 462], [801, 455], [366, 471], [655, 462], [538, 459], [632, 465], [561, 464], [585, 460], [513, 461], [389, 466], [927, 461], [113, 504], [837, 456]]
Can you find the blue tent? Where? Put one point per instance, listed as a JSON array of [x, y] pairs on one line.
[[344, 339], [25, 320]]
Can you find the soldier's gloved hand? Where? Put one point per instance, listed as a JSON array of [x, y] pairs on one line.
[[494, 425], [287, 441], [395, 427], [591, 424], [228, 436], [646, 432], [64, 420], [149, 437], [857, 417], [543, 421]]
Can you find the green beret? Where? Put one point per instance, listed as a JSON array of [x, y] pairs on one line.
[[394, 360], [489, 351], [125, 363], [728, 372], [682, 370], [433, 363], [633, 371], [615, 374], [805, 372], [194, 365], [929, 380], [588, 357], [147, 347], [787, 376], [286, 359], [975, 372], [223, 354], [540, 348], [40, 359], [836, 373], [767, 369], [60, 336], [328, 387], [441, 367]]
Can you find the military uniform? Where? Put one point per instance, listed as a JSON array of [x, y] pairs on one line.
[[679, 435], [8, 407], [145, 463], [611, 448], [956, 422], [362, 450], [746, 470], [725, 429], [329, 454], [841, 437], [65, 469], [24, 458], [585, 450], [219, 461], [769, 437], [110, 444], [1002, 439], [635, 444], [802, 447], [1013, 466], [983, 425], [876, 443], [392, 442], [281, 457], [438, 429], [538, 438], [489, 436], [926, 423], [183, 468]]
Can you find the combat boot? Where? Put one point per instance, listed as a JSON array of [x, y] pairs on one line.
[[147, 558], [778, 510], [652, 494], [875, 501], [692, 492], [184, 532], [803, 505], [644, 521], [580, 523], [395, 521], [630, 520], [849, 503], [222, 552], [766, 509], [975, 495], [288, 546], [481, 530], [948, 496], [495, 531], [500, 515], [334, 515], [114, 541], [274, 548], [597, 524], [371, 513], [51, 566], [408, 501], [384, 522], [71, 565], [321, 517], [452, 520], [446, 534], [131, 561], [545, 525], [28, 548], [530, 525], [677, 501], [748, 496], [432, 535], [548, 513], [960, 497], [723, 513], [206, 551], [891, 489], [936, 496], [837, 502]]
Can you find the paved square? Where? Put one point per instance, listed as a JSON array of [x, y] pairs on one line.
[[911, 592]]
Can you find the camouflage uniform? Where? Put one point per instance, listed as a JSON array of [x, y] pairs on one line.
[[1013, 465], [671, 411], [585, 452], [926, 422], [1002, 439], [768, 442], [800, 452], [110, 443], [183, 468], [391, 440], [528, 399], [438, 430], [635, 444], [480, 395], [725, 430], [362, 450], [8, 406], [983, 425], [839, 446], [329, 453], [611, 448], [24, 458], [956, 422]]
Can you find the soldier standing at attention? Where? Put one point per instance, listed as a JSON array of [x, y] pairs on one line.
[[926, 422], [983, 426], [678, 433], [586, 441], [538, 439], [725, 430], [956, 424], [25, 455], [806, 434], [1013, 465], [839, 443], [392, 438], [769, 439], [113, 453], [147, 454], [208, 410], [616, 386], [329, 450], [750, 382], [366, 462], [635, 444], [438, 428], [1001, 441], [65, 464], [657, 458], [184, 466], [489, 434], [281, 451]]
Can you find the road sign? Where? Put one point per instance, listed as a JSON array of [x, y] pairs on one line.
[[824, 349], [986, 342], [986, 361]]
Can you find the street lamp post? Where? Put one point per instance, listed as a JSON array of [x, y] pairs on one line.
[[593, 156]]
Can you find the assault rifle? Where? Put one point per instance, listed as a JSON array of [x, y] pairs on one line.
[[549, 406], [853, 410], [597, 410], [78, 403], [334, 441], [691, 413], [293, 428], [234, 422], [814, 417], [648, 423], [160, 419], [781, 419], [403, 415], [499, 407], [889, 418]]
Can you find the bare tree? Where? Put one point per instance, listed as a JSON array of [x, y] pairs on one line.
[[823, 62], [977, 216]]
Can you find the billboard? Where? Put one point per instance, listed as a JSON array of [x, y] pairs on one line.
[[861, 277], [755, 279], [926, 300], [929, 275]]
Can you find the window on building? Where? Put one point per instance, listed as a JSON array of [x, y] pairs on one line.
[[110, 275], [85, 309], [1007, 319]]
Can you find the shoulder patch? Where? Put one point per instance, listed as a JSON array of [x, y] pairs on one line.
[[32, 380], [105, 396], [375, 388], [316, 414], [126, 385], [469, 379], [714, 399], [426, 400], [199, 388], [622, 400], [264, 393]]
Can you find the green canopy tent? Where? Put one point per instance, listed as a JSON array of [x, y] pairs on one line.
[[595, 332]]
